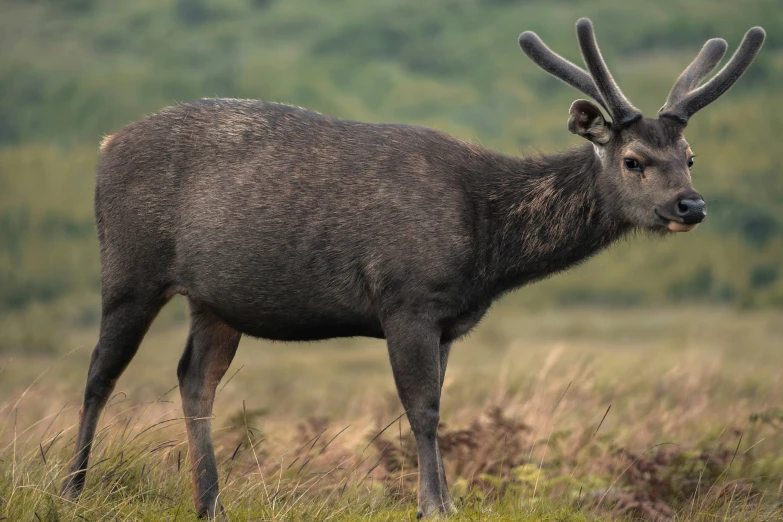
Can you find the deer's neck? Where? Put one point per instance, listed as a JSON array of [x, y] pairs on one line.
[[544, 215]]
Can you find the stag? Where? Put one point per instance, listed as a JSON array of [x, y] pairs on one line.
[[284, 224]]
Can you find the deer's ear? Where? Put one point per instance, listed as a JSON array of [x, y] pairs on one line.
[[586, 120]]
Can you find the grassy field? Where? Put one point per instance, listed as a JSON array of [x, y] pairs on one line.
[[667, 410], [555, 415]]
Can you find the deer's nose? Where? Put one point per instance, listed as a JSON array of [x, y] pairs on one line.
[[692, 210]]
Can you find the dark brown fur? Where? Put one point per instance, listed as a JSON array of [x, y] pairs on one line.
[[285, 224]]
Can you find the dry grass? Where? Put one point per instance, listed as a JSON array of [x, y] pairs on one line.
[[567, 415]]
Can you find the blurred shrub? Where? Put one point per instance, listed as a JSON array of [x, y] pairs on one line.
[[192, 12], [72, 74], [756, 224], [764, 275], [31, 333]]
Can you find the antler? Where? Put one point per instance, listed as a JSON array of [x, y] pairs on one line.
[[685, 99], [598, 84], [558, 66], [619, 107], [709, 56]]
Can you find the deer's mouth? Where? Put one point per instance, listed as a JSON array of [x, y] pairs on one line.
[[674, 225]]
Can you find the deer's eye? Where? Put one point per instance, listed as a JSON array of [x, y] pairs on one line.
[[690, 162], [632, 164]]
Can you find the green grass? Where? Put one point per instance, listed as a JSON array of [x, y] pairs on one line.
[[693, 428]]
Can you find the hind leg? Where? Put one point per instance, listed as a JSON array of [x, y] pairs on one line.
[[448, 503], [125, 318], [211, 347]]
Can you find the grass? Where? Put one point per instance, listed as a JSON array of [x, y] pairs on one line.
[[555, 415]]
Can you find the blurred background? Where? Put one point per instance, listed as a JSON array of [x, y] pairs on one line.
[[72, 71], [680, 337]]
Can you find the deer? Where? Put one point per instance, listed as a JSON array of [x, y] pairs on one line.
[[280, 223]]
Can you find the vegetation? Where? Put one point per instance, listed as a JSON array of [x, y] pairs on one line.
[[659, 409], [560, 416], [73, 71]]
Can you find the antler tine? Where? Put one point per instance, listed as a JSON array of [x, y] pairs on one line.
[[619, 107], [688, 104], [709, 56], [557, 66]]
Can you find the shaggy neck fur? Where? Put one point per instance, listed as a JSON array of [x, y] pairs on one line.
[[544, 214]]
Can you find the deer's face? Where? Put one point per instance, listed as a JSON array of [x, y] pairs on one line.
[[645, 162], [646, 170]]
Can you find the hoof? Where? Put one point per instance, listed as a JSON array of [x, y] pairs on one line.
[[436, 514], [71, 489], [219, 514]]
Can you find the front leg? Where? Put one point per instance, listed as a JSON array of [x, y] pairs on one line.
[[414, 351]]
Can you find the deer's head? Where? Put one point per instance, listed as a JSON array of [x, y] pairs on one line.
[[646, 162]]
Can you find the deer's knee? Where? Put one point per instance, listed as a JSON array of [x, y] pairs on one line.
[[424, 421]]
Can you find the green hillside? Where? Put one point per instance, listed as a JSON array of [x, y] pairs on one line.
[[72, 71]]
